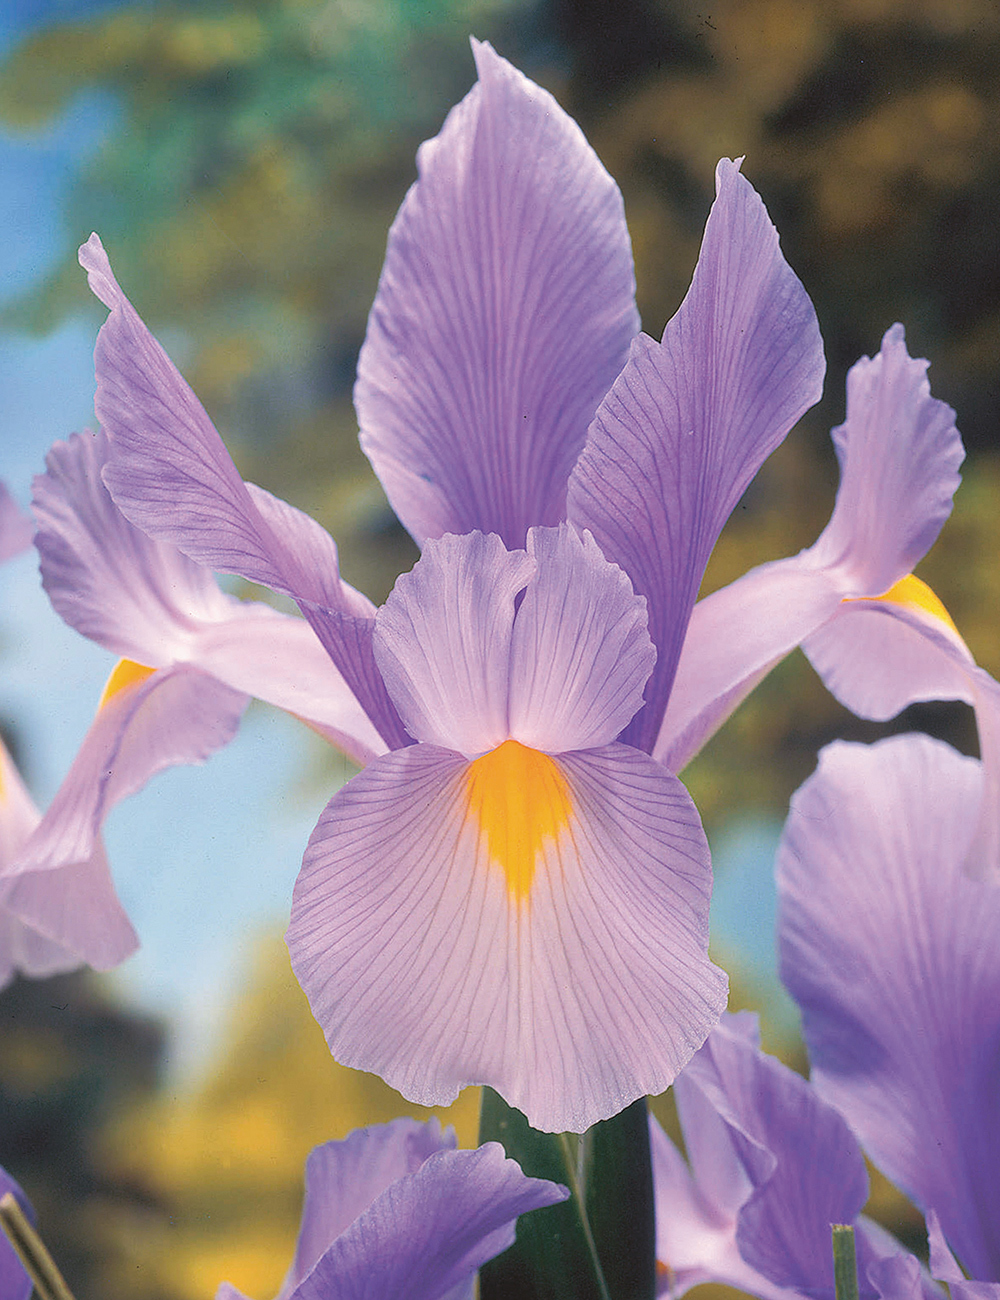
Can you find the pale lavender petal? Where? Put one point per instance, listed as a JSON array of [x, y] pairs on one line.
[[504, 312], [878, 656], [171, 475], [15, 1284], [572, 984], [174, 715], [147, 601], [343, 1178], [983, 859], [890, 951], [138, 598], [689, 421], [430, 1231], [349, 641], [803, 1162], [53, 921], [442, 641], [945, 1267], [899, 454], [580, 653], [15, 527], [735, 637], [73, 909], [278, 658], [695, 1241]]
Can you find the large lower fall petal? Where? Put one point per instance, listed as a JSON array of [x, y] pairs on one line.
[[448, 930]]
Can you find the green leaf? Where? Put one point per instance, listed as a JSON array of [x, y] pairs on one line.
[[599, 1244]]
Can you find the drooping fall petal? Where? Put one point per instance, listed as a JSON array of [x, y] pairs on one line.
[[447, 932]]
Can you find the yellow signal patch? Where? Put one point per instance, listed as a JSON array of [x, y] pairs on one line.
[[911, 592], [125, 673], [519, 799]]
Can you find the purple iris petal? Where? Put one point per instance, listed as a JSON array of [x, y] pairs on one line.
[[344, 1178], [442, 641], [395, 1211], [164, 718], [101, 934], [898, 448], [15, 527], [890, 950], [504, 312], [690, 420], [145, 600], [531, 918], [899, 453]]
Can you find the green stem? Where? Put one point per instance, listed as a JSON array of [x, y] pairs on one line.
[[845, 1268], [39, 1264]]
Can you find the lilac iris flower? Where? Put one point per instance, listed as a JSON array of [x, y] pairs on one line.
[[395, 1210], [521, 897], [771, 1167], [50, 921], [893, 954]]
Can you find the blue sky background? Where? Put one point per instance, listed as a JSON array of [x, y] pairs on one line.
[[204, 859]]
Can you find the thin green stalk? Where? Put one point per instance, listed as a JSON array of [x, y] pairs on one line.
[[845, 1268], [40, 1265]]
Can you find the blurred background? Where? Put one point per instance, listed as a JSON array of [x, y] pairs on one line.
[[242, 162]]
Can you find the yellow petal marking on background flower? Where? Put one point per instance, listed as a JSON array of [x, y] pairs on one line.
[[911, 593], [519, 799], [125, 673]]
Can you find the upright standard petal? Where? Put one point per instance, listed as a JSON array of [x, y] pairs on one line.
[[850, 599], [15, 526], [504, 312], [690, 420], [442, 641], [890, 951], [563, 962], [171, 475]]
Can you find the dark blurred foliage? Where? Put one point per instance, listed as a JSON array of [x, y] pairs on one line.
[[70, 1060]]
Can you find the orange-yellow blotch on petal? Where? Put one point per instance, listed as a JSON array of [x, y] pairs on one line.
[[519, 799], [911, 592], [125, 673]]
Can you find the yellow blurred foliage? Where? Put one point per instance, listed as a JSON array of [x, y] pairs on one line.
[[226, 1158]]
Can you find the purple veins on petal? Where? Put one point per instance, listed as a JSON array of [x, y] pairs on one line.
[[504, 312], [526, 913]]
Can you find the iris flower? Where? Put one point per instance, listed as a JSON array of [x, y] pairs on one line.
[[772, 1165], [521, 897], [893, 954], [51, 921], [395, 1210]]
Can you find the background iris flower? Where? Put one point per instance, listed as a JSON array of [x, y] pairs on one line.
[[891, 951], [396, 1210], [50, 921]]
